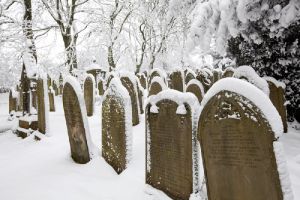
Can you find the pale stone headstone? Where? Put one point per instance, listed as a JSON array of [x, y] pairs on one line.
[[12, 101], [89, 94], [238, 143], [116, 131], [169, 143], [176, 80], [76, 120]]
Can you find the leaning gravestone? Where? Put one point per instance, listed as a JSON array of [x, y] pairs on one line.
[[171, 150], [116, 126], [278, 99], [238, 134], [196, 87], [128, 83], [43, 103], [176, 80], [76, 119], [89, 94], [157, 85]]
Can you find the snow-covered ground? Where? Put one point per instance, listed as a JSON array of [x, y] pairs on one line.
[[44, 170]]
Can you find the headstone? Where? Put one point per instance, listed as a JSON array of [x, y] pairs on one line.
[[196, 87], [55, 88], [76, 120], [12, 101], [189, 76], [100, 87], [132, 90], [143, 80], [237, 141], [156, 72], [116, 131], [51, 100], [216, 75], [157, 85], [89, 94], [170, 146], [176, 81], [205, 77], [42, 89], [278, 100], [228, 72], [140, 96]]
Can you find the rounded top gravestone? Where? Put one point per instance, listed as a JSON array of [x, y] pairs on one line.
[[176, 80], [205, 77], [238, 134], [157, 85], [228, 72], [89, 94], [196, 87]]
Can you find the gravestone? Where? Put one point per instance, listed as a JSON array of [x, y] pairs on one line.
[[216, 75], [12, 101], [278, 100], [228, 72], [237, 144], [169, 136], [205, 78], [142, 79], [55, 88], [116, 131], [157, 85], [76, 120], [34, 98], [100, 87], [189, 76], [140, 97], [89, 94], [131, 88], [42, 89], [176, 81], [196, 87]]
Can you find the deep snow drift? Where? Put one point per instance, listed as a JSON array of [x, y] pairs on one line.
[[44, 170]]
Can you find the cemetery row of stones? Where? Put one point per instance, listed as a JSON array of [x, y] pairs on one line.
[[227, 126]]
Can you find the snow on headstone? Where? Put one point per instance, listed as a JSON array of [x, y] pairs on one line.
[[157, 85], [117, 126], [51, 99], [277, 97], [176, 80], [189, 75], [157, 72], [228, 72], [43, 104], [172, 150], [239, 136], [129, 82], [217, 75], [248, 73], [205, 77], [76, 120], [12, 101], [89, 94], [196, 87], [142, 79]]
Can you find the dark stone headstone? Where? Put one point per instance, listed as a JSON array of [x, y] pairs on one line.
[[205, 79], [116, 143], [169, 149], [189, 76], [155, 88], [100, 88], [131, 88], [12, 102], [89, 95], [176, 81], [237, 150], [51, 101], [41, 88], [228, 72], [143, 80], [195, 88], [75, 125], [278, 100]]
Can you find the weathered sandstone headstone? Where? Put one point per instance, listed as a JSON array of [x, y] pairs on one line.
[[89, 94]]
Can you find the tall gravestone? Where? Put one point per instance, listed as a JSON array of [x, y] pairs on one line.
[[116, 131], [51, 100], [89, 94], [278, 100], [169, 143], [196, 87], [76, 120], [143, 80], [140, 96], [157, 85], [42, 89], [176, 81], [12, 101], [131, 88], [237, 141], [100, 88]]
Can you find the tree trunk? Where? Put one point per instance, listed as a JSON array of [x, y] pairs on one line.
[[70, 49]]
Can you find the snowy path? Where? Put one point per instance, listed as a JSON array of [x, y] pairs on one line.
[[44, 170]]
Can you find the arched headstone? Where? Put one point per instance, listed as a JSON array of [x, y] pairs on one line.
[[76, 120], [132, 90], [228, 72], [277, 97], [217, 74], [169, 142], [238, 132], [176, 79], [205, 77], [89, 94], [196, 87], [190, 75], [156, 72], [157, 85], [116, 126]]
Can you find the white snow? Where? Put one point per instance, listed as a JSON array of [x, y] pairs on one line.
[[251, 76], [160, 81], [273, 80]]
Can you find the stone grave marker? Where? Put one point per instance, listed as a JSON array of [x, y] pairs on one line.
[[169, 143], [176, 80], [89, 94], [143, 80], [157, 85], [100, 87], [277, 97], [42, 101], [196, 87], [12, 100], [205, 77], [189, 76], [76, 120], [140, 90], [238, 136], [116, 131], [228, 72], [132, 90]]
